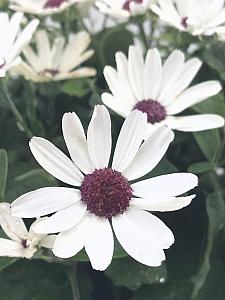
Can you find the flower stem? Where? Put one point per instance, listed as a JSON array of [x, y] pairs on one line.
[[9, 102], [72, 276]]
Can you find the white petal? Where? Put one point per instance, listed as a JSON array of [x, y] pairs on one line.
[[161, 203], [48, 241], [44, 201], [119, 107], [143, 236], [131, 135], [62, 220], [75, 139], [152, 74], [99, 138], [10, 248], [99, 244], [150, 153], [14, 227], [165, 185], [55, 161], [195, 122], [193, 95]]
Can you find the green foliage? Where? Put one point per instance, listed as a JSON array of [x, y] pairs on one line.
[[3, 173]]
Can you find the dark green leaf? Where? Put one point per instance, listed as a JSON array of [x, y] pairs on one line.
[[200, 167], [77, 87], [3, 173]]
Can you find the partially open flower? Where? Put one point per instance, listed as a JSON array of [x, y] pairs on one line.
[[56, 62], [107, 197], [22, 243], [12, 40], [161, 91]]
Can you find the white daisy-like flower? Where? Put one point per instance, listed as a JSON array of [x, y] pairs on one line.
[[201, 17], [106, 199], [124, 8], [42, 7], [159, 90], [13, 40], [58, 61], [22, 243]]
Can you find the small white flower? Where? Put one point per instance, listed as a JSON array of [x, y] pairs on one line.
[[56, 62], [42, 7], [159, 90], [124, 8], [22, 243], [84, 217], [201, 17], [12, 40]]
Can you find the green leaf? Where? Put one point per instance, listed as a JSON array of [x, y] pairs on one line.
[[132, 275], [77, 87], [209, 143], [200, 167], [3, 173], [209, 281]]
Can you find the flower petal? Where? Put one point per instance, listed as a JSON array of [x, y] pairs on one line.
[[62, 220], [75, 139], [44, 201], [195, 122], [99, 138], [11, 248], [48, 241], [160, 203], [150, 153], [55, 161], [131, 135], [99, 243], [165, 185]]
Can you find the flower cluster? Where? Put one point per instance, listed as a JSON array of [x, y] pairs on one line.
[[110, 193]]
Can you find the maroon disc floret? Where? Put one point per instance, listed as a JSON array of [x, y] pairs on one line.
[[3, 64], [106, 192], [127, 3], [24, 243], [52, 72], [154, 110], [53, 3], [184, 22]]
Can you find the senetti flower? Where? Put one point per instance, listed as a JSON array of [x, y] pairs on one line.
[[42, 7], [56, 62], [201, 17], [13, 40], [124, 8], [22, 243], [161, 91], [106, 198]]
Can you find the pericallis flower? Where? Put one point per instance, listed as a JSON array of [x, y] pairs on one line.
[[13, 40], [104, 196], [161, 91], [201, 17], [124, 8], [42, 7], [58, 61], [22, 243]]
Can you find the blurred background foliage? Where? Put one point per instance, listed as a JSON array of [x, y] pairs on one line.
[[195, 265]]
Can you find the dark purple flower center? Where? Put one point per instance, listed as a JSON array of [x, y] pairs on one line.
[[3, 63], [52, 72], [184, 22], [53, 3], [24, 243], [154, 110], [106, 192], [127, 3]]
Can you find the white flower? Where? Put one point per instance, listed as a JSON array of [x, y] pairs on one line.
[[160, 90], [83, 217], [22, 243], [201, 17], [12, 40], [124, 8], [42, 7], [57, 62]]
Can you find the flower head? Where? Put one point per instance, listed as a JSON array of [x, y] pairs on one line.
[[106, 196], [124, 8], [56, 62], [201, 17], [161, 91], [42, 7], [22, 243], [12, 40]]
